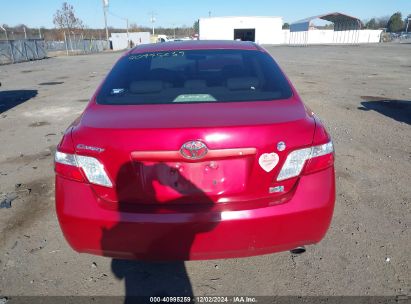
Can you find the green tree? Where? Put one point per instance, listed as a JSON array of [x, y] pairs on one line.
[[286, 26], [371, 24], [382, 22], [196, 27], [395, 24]]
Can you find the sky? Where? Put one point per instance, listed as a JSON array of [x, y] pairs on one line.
[[175, 13]]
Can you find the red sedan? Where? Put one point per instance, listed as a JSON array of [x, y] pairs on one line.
[[194, 150]]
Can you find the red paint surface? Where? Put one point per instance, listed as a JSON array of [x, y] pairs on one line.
[[181, 235], [179, 209]]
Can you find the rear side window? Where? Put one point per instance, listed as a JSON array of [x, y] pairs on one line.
[[194, 76]]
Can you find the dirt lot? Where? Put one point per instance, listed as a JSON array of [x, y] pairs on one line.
[[363, 94]]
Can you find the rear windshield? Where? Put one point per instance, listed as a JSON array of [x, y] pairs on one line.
[[194, 76]]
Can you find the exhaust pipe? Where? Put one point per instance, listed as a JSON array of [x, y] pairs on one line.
[[298, 250]]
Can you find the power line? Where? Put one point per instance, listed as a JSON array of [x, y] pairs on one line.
[[125, 19], [115, 15]]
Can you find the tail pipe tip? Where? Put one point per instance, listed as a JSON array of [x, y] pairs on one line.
[[298, 250]]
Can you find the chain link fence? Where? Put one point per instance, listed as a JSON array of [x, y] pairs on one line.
[[74, 46], [13, 51]]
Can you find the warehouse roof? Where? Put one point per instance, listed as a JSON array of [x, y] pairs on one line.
[[342, 22]]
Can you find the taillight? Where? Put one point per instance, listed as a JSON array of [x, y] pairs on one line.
[[322, 157], [71, 165], [66, 165], [318, 157]]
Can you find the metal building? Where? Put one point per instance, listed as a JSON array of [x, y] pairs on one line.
[[263, 30], [346, 30]]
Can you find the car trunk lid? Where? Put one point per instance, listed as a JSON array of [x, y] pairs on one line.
[[144, 159]]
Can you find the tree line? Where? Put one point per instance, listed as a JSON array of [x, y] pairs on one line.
[[67, 24], [395, 23]]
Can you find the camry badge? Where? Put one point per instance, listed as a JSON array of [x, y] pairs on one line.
[[194, 149], [90, 148]]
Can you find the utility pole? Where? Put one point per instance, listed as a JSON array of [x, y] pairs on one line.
[[122, 18], [105, 6], [153, 20], [39, 33], [128, 34], [25, 34]]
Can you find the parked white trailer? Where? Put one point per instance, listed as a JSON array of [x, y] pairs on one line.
[[263, 30], [121, 41]]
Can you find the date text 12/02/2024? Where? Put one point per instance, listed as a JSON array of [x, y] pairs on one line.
[[204, 299]]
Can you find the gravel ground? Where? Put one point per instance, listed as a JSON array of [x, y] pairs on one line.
[[363, 95]]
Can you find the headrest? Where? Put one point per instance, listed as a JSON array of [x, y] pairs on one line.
[[195, 84], [243, 83], [146, 86]]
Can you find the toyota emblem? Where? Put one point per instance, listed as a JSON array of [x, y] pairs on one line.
[[194, 149]]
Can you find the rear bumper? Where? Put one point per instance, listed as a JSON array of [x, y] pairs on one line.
[[92, 229]]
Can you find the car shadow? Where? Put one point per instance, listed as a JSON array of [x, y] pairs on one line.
[[10, 99], [155, 267], [399, 110]]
